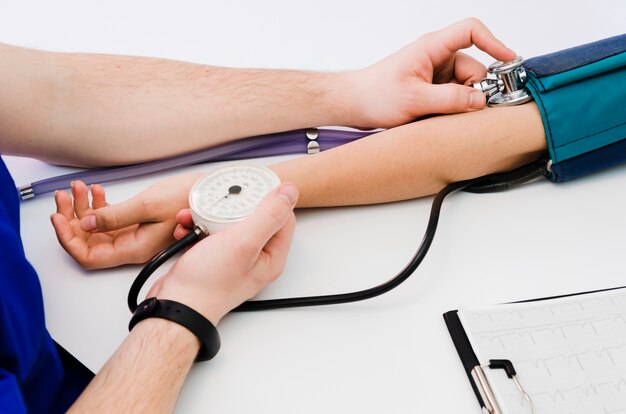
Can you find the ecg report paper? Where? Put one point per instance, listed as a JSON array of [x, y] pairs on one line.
[[569, 353]]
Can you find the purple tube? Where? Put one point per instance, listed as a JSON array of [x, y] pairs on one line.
[[282, 143]]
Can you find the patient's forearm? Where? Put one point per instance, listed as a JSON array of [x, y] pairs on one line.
[[418, 159]]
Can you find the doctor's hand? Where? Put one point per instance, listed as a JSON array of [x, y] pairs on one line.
[[227, 268], [101, 235], [425, 77]]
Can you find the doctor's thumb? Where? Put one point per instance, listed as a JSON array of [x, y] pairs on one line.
[[270, 216], [113, 217], [452, 98]]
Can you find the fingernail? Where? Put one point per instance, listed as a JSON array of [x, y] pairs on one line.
[[288, 192], [88, 223], [477, 100]]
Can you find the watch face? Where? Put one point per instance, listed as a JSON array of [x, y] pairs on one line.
[[231, 193]]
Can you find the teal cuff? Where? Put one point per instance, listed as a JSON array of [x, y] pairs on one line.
[[582, 109]]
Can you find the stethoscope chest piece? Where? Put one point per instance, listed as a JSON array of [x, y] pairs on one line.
[[507, 88]]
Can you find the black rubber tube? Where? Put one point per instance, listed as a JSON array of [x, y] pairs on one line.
[[487, 184], [154, 263]]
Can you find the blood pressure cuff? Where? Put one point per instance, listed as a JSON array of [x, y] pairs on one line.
[[581, 94]]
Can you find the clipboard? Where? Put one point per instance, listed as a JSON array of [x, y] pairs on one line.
[[476, 372]]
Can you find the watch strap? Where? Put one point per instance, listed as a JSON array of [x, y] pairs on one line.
[[182, 315]]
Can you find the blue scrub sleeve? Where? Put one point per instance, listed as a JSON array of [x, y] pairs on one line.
[[10, 394], [35, 375]]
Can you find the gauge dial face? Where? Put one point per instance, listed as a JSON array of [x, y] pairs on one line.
[[231, 193]]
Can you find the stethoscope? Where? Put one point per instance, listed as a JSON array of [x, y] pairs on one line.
[[506, 85], [228, 195]]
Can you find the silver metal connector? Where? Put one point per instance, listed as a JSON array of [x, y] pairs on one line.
[[200, 230], [488, 86], [313, 147], [26, 192]]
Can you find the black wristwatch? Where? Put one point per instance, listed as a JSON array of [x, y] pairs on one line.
[[182, 315]]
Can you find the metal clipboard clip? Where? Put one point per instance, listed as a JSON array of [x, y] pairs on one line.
[[489, 399]]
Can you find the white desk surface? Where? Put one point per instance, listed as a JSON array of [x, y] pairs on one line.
[[392, 354]]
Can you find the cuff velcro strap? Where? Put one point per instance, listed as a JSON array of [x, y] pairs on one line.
[[580, 94], [182, 315]]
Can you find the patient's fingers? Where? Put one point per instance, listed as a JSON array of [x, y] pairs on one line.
[[81, 198], [64, 204], [98, 197], [62, 228], [71, 243]]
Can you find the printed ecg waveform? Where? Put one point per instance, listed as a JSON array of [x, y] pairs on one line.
[[569, 353]]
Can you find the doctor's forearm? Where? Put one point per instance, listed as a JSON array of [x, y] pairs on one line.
[[90, 109], [418, 159], [145, 374]]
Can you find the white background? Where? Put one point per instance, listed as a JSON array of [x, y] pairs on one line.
[[391, 354]]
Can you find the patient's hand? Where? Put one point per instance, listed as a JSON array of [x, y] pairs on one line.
[[425, 77], [101, 235]]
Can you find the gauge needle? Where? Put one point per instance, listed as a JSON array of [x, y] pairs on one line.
[[233, 190]]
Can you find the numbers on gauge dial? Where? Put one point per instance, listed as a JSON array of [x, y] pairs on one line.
[[232, 193]]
